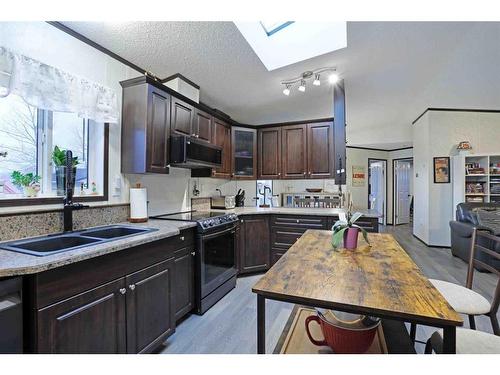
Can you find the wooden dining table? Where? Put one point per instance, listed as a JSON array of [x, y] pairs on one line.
[[379, 279]]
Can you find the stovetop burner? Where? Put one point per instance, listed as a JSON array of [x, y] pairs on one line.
[[205, 219]]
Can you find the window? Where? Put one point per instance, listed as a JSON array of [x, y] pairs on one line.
[[28, 137]]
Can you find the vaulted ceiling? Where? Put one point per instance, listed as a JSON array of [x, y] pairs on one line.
[[393, 71]]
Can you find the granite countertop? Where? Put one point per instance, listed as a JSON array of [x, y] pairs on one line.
[[297, 211], [12, 263]]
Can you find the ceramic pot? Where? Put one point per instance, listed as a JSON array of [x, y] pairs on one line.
[[350, 334], [351, 238], [30, 191]]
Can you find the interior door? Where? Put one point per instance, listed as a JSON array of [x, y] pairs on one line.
[[377, 187], [404, 174]]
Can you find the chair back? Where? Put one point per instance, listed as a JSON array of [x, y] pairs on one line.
[[475, 248]]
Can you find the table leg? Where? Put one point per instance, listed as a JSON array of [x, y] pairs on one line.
[[261, 324], [449, 340]]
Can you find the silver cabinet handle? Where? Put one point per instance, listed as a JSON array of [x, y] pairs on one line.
[[193, 253], [242, 221], [304, 173], [298, 221], [123, 290], [181, 238], [193, 135], [131, 286]]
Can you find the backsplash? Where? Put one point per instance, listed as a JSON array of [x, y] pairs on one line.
[[23, 225]]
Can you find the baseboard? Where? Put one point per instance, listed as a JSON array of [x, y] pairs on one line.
[[434, 246]]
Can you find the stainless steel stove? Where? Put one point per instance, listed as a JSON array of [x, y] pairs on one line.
[[215, 254]]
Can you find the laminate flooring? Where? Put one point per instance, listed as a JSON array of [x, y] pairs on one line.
[[230, 326]]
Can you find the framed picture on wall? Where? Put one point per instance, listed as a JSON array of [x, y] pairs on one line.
[[442, 170]]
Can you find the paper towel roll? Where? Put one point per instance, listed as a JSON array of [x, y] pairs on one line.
[[138, 205]]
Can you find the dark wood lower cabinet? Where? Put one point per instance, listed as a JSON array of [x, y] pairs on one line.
[[150, 316], [91, 322], [253, 244], [183, 282]]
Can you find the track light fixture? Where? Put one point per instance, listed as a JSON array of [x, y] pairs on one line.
[[310, 74]]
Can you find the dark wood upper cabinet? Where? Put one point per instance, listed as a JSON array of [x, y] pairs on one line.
[[221, 136], [320, 150], [145, 129], [182, 118], [294, 146], [244, 153], [150, 317], [269, 142], [254, 244], [183, 281], [202, 127], [89, 323]]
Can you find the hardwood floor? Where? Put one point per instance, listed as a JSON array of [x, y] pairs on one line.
[[230, 326]]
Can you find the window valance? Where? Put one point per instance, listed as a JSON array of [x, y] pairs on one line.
[[50, 88]]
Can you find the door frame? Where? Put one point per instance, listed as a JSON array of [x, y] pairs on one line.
[[386, 185], [394, 187]]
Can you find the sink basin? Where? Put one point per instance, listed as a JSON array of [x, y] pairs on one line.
[[53, 244], [50, 245], [113, 232]]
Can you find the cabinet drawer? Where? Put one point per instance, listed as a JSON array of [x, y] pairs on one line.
[[307, 222], [285, 237], [185, 238]]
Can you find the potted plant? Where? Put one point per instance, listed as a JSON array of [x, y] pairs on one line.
[[345, 229], [59, 160], [29, 182]]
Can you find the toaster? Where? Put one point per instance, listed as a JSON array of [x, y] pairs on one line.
[[224, 202]]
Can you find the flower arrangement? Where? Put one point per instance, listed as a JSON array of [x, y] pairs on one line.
[[345, 228], [29, 182]]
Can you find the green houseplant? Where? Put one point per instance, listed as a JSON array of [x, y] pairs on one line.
[[29, 182], [59, 160], [345, 229]]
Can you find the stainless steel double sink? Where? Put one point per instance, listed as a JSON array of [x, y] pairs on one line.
[[58, 243]]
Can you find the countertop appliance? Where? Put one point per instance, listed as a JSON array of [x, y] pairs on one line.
[[224, 202], [186, 152], [215, 260]]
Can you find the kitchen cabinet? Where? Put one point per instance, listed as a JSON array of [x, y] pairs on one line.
[[124, 302], [221, 136], [269, 153], [184, 282], [149, 313], [244, 153], [145, 128], [202, 126], [294, 152], [89, 323], [320, 150], [253, 244], [182, 118]]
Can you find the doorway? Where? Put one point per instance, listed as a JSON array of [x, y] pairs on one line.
[[377, 187], [403, 190]]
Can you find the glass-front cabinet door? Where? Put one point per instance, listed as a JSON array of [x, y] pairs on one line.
[[244, 151]]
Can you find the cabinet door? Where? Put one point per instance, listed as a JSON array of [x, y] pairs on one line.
[[182, 118], [294, 164], [183, 282], [158, 131], [90, 322], [254, 243], [221, 136], [269, 153], [202, 126], [244, 153], [150, 317], [320, 150]]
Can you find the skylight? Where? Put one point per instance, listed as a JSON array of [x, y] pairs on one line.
[[292, 41], [272, 27]]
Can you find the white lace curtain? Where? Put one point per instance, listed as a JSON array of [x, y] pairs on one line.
[[49, 88]]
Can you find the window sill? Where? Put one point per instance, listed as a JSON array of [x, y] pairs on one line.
[[49, 200]]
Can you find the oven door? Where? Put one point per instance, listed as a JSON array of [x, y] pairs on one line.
[[217, 258]]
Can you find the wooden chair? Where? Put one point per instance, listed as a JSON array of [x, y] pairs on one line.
[[463, 299]]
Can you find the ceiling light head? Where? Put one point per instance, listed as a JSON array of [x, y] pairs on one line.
[[302, 87], [286, 90], [316, 81], [333, 78]]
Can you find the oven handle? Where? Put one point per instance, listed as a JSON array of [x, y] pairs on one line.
[[232, 229]]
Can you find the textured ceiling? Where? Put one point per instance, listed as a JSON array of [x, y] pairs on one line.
[[392, 71]]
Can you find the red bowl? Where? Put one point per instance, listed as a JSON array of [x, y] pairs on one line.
[[343, 337]]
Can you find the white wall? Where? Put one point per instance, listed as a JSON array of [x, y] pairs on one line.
[[438, 133]]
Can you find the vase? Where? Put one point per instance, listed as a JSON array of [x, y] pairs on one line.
[[351, 238], [61, 180]]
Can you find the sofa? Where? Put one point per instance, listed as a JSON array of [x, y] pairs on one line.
[[461, 232]]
